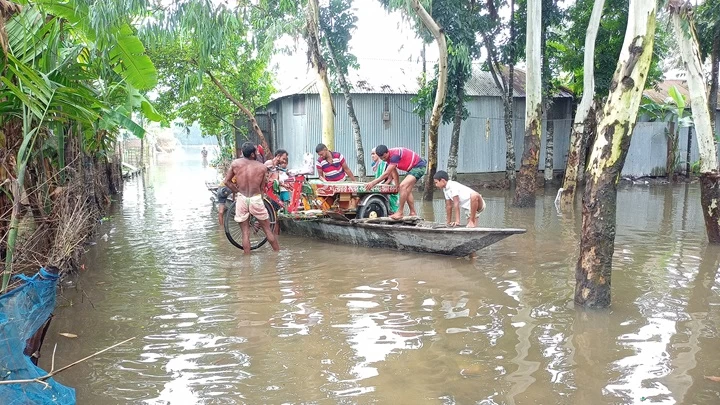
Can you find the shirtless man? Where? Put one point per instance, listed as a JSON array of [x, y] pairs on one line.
[[249, 183]]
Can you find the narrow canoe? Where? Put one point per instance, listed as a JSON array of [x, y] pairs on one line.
[[405, 236]]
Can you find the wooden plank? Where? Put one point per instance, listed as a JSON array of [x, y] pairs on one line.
[[387, 220]]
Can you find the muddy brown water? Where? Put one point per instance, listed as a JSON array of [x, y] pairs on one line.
[[320, 323]]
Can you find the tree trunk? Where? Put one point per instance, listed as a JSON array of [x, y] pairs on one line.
[[594, 266], [455, 137], [549, 150], [576, 156], [17, 189], [508, 104], [672, 144], [142, 146], [244, 110], [439, 35], [714, 73], [527, 179], [360, 151], [327, 111], [688, 150], [547, 96], [509, 138], [506, 88], [423, 119], [709, 200], [690, 51]]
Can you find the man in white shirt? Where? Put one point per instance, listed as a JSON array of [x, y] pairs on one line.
[[456, 196]]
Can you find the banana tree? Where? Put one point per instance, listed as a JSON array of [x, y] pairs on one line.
[[673, 112], [35, 100], [48, 86]]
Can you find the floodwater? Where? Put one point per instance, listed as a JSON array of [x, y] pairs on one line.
[[319, 323]]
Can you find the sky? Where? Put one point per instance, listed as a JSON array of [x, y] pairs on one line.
[[379, 37]]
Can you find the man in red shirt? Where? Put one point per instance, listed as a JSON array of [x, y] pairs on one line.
[[408, 161]]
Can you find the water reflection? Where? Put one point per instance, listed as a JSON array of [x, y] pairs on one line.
[[320, 322]]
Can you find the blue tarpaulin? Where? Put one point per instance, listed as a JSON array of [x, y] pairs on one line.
[[23, 311]]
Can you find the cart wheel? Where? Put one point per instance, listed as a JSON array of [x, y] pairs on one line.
[[257, 235], [374, 207]]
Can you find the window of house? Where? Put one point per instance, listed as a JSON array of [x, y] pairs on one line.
[[299, 104]]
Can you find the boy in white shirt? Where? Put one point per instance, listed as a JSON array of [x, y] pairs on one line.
[[456, 196]]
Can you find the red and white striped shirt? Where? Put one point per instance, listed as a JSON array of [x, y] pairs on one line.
[[333, 171]]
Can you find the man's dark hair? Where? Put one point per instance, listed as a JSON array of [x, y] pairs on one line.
[[381, 150], [248, 148], [280, 152], [321, 147], [441, 175]]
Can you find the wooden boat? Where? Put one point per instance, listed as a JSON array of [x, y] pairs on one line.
[[410, 234]]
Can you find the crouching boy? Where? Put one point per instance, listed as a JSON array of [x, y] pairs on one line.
[[456, 196]]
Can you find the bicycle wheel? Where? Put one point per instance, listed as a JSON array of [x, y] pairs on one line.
[[233, 231]]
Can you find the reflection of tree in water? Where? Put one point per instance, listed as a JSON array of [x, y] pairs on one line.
[[696, 332]]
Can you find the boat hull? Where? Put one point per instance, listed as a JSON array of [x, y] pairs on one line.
[[421, 239]]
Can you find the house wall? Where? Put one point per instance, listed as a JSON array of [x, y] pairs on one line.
[[480, 150], [482, 136], [648, 148]]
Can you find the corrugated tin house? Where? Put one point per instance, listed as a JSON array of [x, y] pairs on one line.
[[384, 110], [648, 149]]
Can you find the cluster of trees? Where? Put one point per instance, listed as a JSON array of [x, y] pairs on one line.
[[72, 73], [84, 68]]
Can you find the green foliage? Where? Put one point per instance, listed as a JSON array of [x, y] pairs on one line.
[[461, 21], [707, 24], [337, 23], [186, 92], [110, 34], [459, 71], [608, 44], [410, 15], [673, 109]]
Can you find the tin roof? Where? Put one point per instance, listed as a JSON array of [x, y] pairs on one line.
[[402, 78], [659, 93]]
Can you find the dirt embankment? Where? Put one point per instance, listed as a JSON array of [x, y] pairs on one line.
[[60, 206]]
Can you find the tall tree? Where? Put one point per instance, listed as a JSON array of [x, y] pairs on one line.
[[608, 45], [207, 29], [242, 74], [689, 47], [708, 31], [424, 22], [551, 17], [337, 23], [527, 179], [584, 110], [594, 266], [460, 22], [491, 27], [437, 110], [312, 37]]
